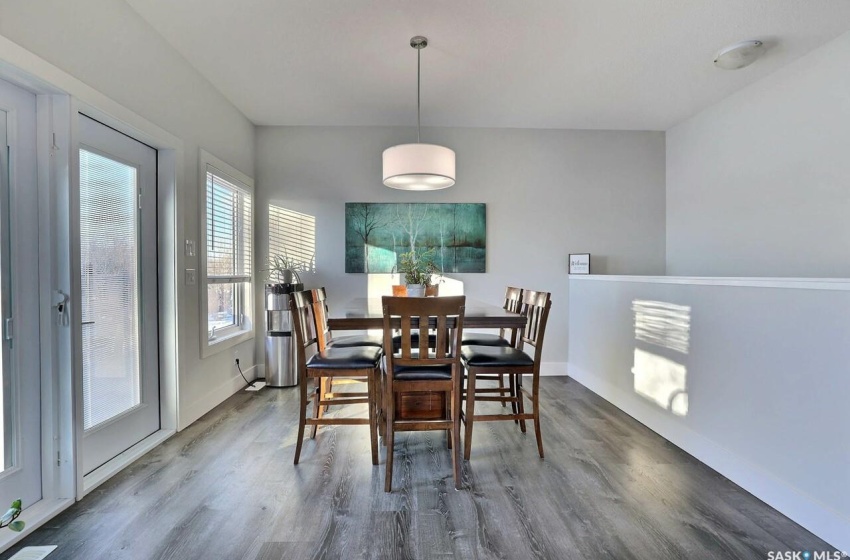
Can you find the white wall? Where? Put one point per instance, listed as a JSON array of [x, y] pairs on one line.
[[757, 185], [548, 193], [765, 374], [105, 44]]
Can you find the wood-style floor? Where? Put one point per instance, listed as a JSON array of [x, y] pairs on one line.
[[608, 488]]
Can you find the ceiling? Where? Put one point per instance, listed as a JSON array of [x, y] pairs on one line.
[[588, 64]]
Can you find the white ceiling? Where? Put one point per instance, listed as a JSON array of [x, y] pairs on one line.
[[594, 64]]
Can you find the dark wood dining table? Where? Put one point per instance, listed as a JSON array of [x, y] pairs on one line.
[[367, 313]]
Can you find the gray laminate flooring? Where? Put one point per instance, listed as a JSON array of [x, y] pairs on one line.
[[609, 488]]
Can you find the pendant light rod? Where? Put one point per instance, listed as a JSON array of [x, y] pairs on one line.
[[418, 90], [418, 42]]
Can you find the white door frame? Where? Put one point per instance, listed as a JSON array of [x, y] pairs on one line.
[[167, 242], [60, 97]]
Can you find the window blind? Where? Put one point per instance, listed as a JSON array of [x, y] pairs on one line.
[[293, 234], [109, 270], [229, 226]]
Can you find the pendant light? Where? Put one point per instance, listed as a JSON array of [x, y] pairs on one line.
[[419, 167]]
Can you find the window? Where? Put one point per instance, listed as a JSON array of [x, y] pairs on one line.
[[228, 230], [292, 234]]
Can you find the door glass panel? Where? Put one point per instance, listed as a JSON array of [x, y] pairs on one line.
[[110, 287]]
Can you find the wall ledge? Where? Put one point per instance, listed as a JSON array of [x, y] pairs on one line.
[[840, 284]]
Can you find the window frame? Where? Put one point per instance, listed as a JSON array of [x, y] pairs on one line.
[[243, 297]]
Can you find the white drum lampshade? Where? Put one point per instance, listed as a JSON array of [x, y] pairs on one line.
[[419, 167]]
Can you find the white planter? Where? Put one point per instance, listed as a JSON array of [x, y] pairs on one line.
[[416, 290]]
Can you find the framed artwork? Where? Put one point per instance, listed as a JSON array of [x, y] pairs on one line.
[[455, 234], [580, 263]]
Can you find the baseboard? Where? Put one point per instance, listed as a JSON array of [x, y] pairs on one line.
[[189, 413], [822, 520], [553, 368], [120, 461]]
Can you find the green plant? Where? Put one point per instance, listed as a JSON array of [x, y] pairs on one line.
[[417, 266], [9, 518], [285, 270]]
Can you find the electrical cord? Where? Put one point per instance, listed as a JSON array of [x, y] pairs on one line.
[[250, 383]]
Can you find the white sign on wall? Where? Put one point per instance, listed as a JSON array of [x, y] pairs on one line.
[[580, 263]]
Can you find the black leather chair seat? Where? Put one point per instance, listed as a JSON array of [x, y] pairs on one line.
[[422, 373], [483, 339], [491, 356], [357, 340], [355, 357]]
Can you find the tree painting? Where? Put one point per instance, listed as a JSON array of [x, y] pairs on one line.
[[376, 233], [363, 220]]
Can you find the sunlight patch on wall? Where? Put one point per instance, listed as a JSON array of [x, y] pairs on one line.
[[664, 324], [662, 381]]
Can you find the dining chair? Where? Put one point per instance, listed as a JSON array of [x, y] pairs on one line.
[[419, 368], [320, 297], [478, 360], [362, 363], [506, 337], [321, 313]]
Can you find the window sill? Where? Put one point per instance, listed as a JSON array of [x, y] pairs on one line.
[[221, 343]]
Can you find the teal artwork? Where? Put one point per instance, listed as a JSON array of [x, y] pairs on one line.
[[377, 233]]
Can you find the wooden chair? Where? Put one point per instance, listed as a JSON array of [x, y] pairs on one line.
[[420, 369], [480, 360], [357, 362], [320, 296], [323, 331], [506, 337]]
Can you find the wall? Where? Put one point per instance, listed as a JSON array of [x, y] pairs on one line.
[[764, 380], [757, 185], [548, 193], [105, 44]]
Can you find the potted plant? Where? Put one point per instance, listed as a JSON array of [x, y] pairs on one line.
[[417, 268], [284, 277], [432, 287], [10, 518], [285, 270]]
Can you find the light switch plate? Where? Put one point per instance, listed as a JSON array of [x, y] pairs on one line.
[[190, 248], [191, 277]]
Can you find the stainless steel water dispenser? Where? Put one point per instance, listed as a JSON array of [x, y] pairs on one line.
[[280, 341]]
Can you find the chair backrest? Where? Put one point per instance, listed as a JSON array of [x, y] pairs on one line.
[[513, 299], [303, 324], [320, 313], [443, 315], [513, 302], [535, 306]]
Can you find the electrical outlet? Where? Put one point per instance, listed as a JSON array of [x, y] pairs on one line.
[[236, 356], [191, 277]]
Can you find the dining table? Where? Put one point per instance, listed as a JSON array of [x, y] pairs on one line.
[[367, 313]]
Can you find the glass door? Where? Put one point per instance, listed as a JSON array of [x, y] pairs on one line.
[[118, 275], [20, 366]]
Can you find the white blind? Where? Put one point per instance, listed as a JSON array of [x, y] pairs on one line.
[[110, 285], [229, 226], [292, 234]]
